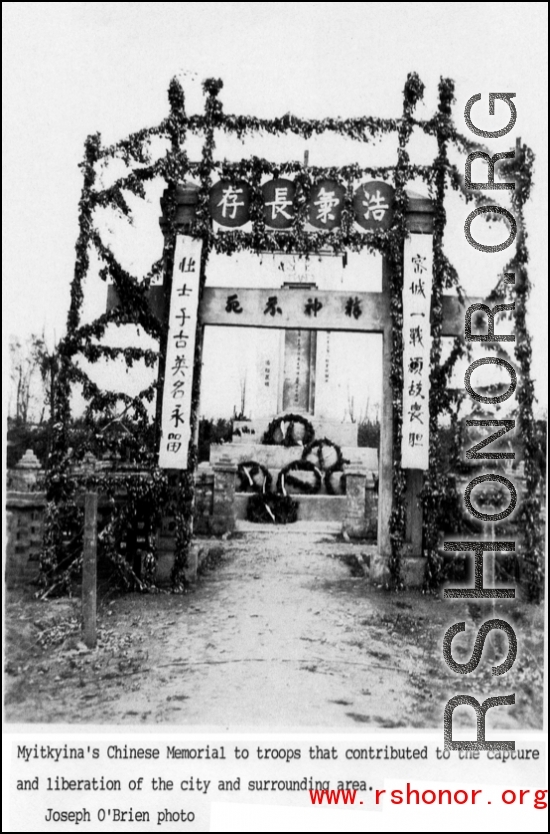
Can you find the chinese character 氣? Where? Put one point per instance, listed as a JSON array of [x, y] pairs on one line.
[[353, 307], [326, 202], [416, 336], [313, 306], [187, 265], [232, 305], [419, 262], [280, 202], [375, 205], [271, 306], [416, 364], [230, 202]]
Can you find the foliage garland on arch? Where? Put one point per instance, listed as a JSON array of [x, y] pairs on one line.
[[135, 153]]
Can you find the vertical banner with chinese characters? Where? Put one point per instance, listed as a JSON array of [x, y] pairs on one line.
[[180, 351], [417, 291]]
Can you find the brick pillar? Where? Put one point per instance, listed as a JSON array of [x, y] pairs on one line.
[[355, 522], [223, 518]]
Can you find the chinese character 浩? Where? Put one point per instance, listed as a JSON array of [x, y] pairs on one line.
[[419, 262], [416, 336], [232, 305], [229, 201], [271, 306], [279, 204], [313, 306], [414, 413], [415, 439], [416, 365], [375, 205], [353, 307], [187, 265], [417, 287], [326, 202]]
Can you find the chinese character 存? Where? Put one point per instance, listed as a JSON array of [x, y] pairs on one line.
[[177, 417], [187, 265], [313, 306], [230, 202], [415, 390], [416, 364], [180, 365], [326, 202], [415, 412], [419, 262], [182, 315], [271, 306], [279, 204], [183, 291], [178, 389], [415, 439], [416, 336], [417, 288], [375, 205], [353, 307], [232, 305]]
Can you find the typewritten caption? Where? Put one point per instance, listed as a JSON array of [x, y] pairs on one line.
[[116, 785]]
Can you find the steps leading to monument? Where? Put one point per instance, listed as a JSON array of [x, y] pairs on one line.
[[276, 457], [331, 528], [345, 434], [318, 508]]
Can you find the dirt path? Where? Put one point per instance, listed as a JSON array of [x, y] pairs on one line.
[[282, 632]]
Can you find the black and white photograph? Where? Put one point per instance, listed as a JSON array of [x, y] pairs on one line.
[[275, 402]]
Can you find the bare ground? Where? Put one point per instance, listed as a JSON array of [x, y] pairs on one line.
[[280, 631]]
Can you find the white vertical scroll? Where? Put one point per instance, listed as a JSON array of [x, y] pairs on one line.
[[417, 291], [180, 352]]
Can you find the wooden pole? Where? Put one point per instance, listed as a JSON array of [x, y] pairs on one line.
[[89, 571]]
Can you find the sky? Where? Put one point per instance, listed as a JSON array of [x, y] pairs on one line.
[[71, 69]]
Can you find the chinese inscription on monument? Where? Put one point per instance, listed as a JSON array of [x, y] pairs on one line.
[[180, 351], [417, 290]]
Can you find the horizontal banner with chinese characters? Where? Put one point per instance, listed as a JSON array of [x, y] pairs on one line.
[[372, 204], [417, 291], [180, 351]]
